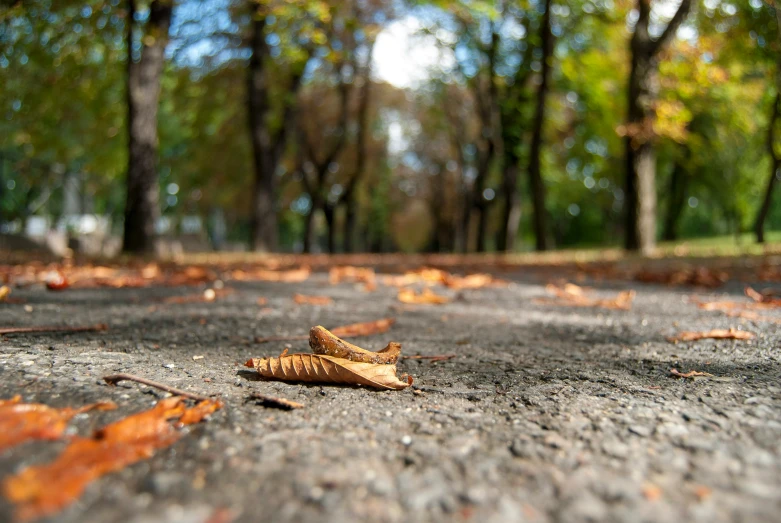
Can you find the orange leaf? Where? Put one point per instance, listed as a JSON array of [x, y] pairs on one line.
[[691, 374], [302, 299], [427, 296], [367, 328], [364, 275], [720, 334], [44, 490], [574, 296], [20, 422]]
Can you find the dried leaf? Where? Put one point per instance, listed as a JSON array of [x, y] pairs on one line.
[[699, 277], [727, 305], [323, 342], [691, 374], [302, 299], [365, 275], [5, 290], [272, 401], [355, 330], [202, 410], [56, 281], [44, 490], [64, 328], [575, 296], [472, 281], [731, 334], [20, 422], [327, 369], [427, 297], [764, 297], [288, 276]]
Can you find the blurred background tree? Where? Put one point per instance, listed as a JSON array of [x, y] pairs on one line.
[[361, 125]]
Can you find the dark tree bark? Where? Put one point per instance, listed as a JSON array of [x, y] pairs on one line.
[[677, 200], [143, 94], [316, 188], [268, 143], [536, 182], [775, 168], [640, 158]]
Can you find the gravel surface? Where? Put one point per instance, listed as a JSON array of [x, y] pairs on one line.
[[548, 413]]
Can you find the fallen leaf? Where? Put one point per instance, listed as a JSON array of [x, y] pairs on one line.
[[202, 410], [5, 290], [727, 305], [56, 281], [44, 490], [302, 299], [766, 297], [288, 276], [314, 368], [64, 328], [365, 275], [691, 374], [731, 334], [426, 296], [262, 301], [280, 403], [699, 277], [701, 492], [652, 492], [575, 296], [472, 281], [367, 328], [323, 342], [20, 422]]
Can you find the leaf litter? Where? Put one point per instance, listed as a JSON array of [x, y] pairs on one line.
[[21, 422], [425, 297], [717, 334], [43, 490], [572, 295]]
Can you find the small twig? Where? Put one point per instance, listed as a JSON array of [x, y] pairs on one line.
[[113, 379], [280, 403], [691, 374], [440, 357], [64, 328]]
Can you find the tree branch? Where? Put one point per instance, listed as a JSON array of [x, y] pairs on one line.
[[672, 27]]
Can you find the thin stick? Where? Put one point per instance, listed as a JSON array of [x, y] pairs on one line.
[[280, 403], [113, 379], [64, 328]]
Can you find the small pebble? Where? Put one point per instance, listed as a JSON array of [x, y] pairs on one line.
[[406, 440]]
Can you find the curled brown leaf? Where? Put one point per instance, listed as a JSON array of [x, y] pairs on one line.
[[323, 342]]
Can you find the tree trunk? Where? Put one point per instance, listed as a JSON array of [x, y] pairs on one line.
[[143, 94], [482, 228], [263, 216], [677, 196], [775, 167], [511, 210], [640, 158], [329, 211], [309, 226], [536, 182], [350, 224]]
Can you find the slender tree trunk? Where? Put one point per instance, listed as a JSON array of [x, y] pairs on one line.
[[482, 228], [143, 95], [677, 200], [775, 169], [640, 158], [309, 226], [350, 224], [329, 211], [263, 216], [536, 182], [511, 211]]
